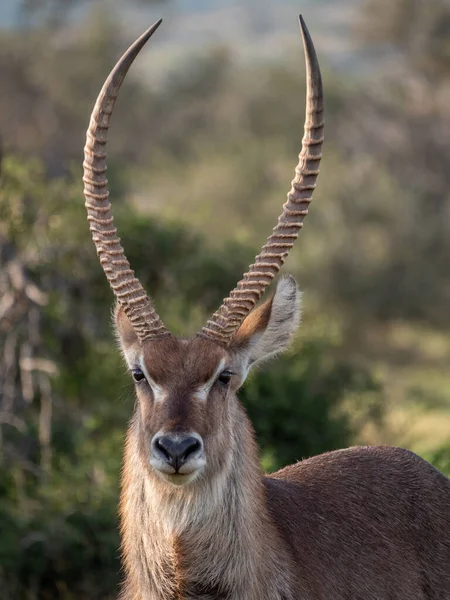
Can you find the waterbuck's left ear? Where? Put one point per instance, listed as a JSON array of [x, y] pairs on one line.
[[269, 328]]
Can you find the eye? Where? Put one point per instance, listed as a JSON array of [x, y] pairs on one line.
[[138, 375], [225, 377]]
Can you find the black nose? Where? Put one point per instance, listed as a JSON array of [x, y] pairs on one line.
[[176, 450]]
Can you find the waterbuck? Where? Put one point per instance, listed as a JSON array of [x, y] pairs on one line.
[[199, 519]]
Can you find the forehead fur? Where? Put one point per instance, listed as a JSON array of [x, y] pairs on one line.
[[196, 358]]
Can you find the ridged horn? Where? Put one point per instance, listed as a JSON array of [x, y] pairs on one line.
[[227, 320], [127, 289]]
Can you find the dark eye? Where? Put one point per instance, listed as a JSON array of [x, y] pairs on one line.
[[138, 375], [225, 377]]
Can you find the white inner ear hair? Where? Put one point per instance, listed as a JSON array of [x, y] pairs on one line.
[[283, 322]]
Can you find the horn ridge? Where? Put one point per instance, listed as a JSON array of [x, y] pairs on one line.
[[229, 317], [125, 286]]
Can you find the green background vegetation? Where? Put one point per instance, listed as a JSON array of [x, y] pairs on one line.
[[199, 165]]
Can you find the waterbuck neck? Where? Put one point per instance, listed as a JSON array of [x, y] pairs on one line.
[[212, 539]]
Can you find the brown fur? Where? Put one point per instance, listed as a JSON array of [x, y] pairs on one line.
[[358, 524]]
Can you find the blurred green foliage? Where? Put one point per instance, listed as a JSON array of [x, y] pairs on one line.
[[198, 170]]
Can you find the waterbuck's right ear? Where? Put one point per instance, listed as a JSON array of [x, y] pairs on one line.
[[269, 328], [126, 336]]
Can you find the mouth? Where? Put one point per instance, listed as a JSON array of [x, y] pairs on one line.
[[187, 473], [179, 479]]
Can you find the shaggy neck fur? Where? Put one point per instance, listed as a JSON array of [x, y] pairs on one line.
[[210, 540]]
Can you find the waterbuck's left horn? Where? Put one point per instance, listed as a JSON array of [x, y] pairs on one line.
[[127, 289], [227, 320]]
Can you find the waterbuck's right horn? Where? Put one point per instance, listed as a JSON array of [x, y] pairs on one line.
[[127, 289]]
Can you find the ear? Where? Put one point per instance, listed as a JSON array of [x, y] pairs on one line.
[[269, 328], [126, 336]]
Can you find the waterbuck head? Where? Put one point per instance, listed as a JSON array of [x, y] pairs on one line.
[[187, 415]]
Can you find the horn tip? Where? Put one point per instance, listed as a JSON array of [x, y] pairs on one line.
[[154, 27], [303, 25]]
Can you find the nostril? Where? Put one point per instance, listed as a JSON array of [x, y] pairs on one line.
[[176, 450], [163, 445], [190, 446]]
